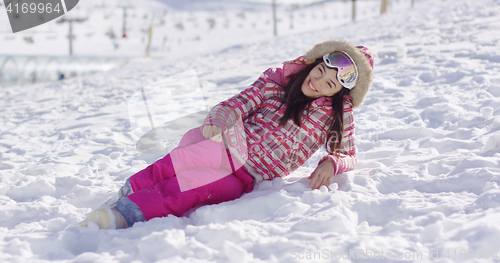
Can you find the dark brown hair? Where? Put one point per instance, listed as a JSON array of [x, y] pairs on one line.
[[297, 103]]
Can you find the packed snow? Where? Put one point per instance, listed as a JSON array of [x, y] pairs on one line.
[[425, 187]]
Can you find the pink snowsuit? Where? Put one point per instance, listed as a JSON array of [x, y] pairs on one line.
[[157, 190], [273, 150]]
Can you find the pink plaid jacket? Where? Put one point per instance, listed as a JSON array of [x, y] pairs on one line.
[[274, 150]]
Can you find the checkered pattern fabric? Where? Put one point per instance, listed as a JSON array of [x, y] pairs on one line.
[[274, 150]]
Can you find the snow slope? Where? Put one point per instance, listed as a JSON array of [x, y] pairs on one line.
[[180, 28], [425, 187]]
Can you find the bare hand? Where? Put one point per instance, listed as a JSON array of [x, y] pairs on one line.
[[322, 175], [212, 132]]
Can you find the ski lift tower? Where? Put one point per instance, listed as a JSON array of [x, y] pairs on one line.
[[71, 37], [124, 35]]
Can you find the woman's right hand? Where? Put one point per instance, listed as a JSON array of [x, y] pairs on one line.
[[212, 132]]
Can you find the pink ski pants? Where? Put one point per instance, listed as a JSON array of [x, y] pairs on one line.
[[197, 172]]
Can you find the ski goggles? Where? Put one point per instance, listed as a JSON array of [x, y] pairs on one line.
[[347, 72]]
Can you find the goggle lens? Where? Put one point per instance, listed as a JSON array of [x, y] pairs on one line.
[[347, 73]]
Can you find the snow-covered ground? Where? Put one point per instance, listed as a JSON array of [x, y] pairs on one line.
[[425, 187]]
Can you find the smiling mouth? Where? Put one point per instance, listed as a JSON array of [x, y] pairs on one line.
[[311, 86]]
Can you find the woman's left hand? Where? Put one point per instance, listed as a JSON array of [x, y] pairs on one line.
[[322, 175], [212, 132]]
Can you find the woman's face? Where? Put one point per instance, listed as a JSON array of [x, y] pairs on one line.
[[321, 82]]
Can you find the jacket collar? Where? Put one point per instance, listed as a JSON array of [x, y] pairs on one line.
[[327, 101]]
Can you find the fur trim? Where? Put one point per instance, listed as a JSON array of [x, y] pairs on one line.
[[365, 71]]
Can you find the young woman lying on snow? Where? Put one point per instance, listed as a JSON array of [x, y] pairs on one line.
[[287, 115]]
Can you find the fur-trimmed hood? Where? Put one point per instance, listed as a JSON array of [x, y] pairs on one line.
[[362, 57]]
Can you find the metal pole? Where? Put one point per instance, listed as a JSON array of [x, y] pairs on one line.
[[124, 33], [150, 33], [70, 37], [353, 10], [412, 2], [124, 29], [383, 7], [274, 18]]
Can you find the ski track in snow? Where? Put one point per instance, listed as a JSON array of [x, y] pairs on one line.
[[427, 177]]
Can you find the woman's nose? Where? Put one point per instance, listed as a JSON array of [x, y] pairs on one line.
[[318, 80]]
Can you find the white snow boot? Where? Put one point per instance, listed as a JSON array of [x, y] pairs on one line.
[[109, 218]]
